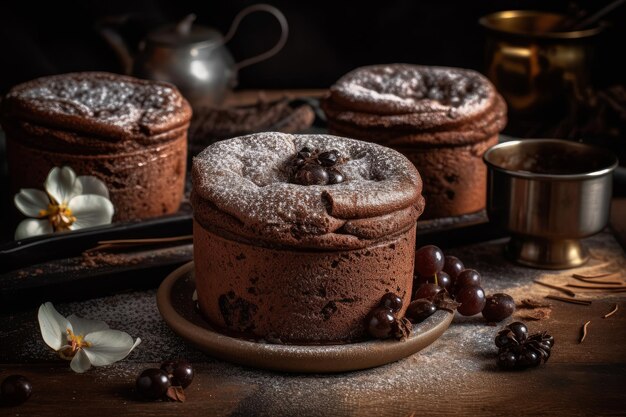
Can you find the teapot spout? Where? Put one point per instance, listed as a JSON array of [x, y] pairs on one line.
[[107, 28]]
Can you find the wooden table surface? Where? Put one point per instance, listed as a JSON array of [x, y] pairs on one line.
[[456, 375]]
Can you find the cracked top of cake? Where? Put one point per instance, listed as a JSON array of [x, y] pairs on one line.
[[242, 188], [404, 88], [99, 104], [414, 98]]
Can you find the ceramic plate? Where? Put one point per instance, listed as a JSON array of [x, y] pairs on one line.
[[174, 300]]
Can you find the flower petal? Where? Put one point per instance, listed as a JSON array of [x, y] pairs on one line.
[[82, 327], [80, 362], [92, 185], [30, 201], [61, 184], [90, 210], [53, 326], [108, 346], [32, 227]]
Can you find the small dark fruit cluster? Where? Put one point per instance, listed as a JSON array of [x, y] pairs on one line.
[[165, 382], [435, 272], [15, 389], [518, 350], [383, 321], [313, 167]]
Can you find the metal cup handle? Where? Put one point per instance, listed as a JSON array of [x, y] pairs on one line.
[[276, 48]]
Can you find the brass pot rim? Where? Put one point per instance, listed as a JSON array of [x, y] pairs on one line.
[[489, 22], [612, 161]]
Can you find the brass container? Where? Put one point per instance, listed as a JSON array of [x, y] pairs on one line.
[[548, 194], [535, 66]]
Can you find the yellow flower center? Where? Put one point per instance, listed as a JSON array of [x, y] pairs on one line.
[[59, 215], [76, 342]]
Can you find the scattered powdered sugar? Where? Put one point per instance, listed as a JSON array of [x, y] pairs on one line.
[[465, 354], [247, 177], [404, 88], [111, 99]]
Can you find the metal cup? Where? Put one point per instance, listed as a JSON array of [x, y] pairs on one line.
[[548, 194], [534, 65]]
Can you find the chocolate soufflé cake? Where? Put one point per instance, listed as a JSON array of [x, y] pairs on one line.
[[443, 119], [291, 263], [130, 133]]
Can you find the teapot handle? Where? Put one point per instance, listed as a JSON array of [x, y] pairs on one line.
[[106, 27], [284, 28]]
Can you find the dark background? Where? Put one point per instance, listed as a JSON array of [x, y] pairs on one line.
[[327, 38]]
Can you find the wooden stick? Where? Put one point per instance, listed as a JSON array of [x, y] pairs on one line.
[[569, 300], [610, 313], [556, 287], [120, 243], [584, 331], [607, 275], [597, 281], [599, 287], [145, 241]]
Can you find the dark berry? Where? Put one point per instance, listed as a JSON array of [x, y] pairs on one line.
[[334, 176], [418, 281], [420, 310], [152, 383], [498, 307], [329, 158], [507, 359], [391, 301], [472, 300], [444, 281], [428, 290], [528, 358], [16, 389], [547, 339], [453, 266], [467, 278], [428, 260], [520, 331], [297, 162], [544, 354], [180, 372], [381, 323], [304, 153], [311, 174], [505, 339]]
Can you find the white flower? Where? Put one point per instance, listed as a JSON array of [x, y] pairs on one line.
[[84, 342], [69, 203]]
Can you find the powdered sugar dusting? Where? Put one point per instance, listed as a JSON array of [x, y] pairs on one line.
[[452, 365], [247, 177], [403, 88], [110, 99]]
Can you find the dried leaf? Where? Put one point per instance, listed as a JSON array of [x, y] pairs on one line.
[[530, 304], [569, 300], [402, 329], [534, 314], [176, 394], [444, 302]]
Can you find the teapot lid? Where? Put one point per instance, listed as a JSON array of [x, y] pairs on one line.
[[184, 33]]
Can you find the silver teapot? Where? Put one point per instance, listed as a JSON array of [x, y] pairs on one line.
[[192, 57]]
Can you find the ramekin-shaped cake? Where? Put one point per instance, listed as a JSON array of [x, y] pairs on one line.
[[292, 263], [130, 133], [443, 119]]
